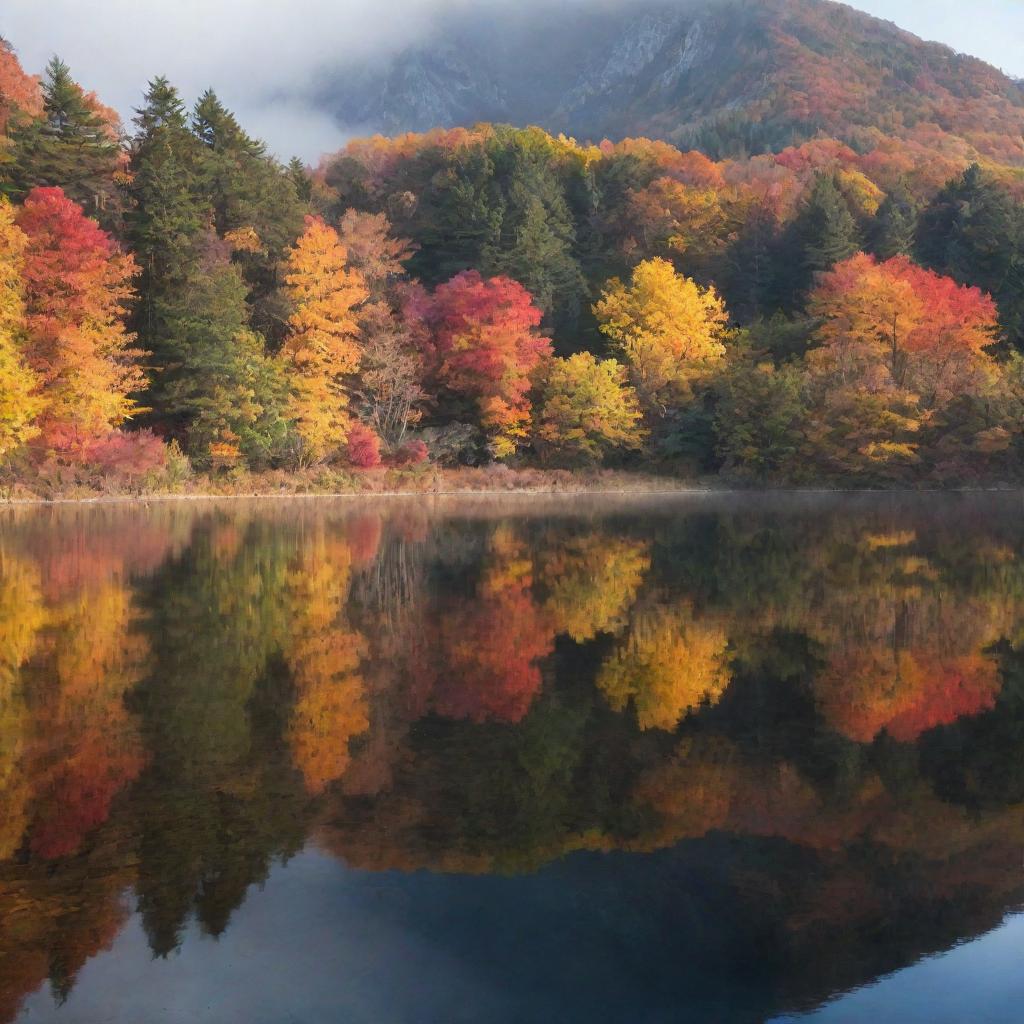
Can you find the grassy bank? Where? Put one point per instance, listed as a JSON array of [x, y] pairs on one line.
[[327, 481]]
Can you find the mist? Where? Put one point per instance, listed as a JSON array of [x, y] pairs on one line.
[[267, 59]]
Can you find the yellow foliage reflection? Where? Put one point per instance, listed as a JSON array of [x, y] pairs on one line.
[[670, 664], [324, 655], [22, 615], [593, 580]]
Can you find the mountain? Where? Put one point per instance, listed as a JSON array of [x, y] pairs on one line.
[[733, 77]]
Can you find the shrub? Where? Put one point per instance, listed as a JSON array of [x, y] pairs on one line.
[[125, 455], [363, 446]]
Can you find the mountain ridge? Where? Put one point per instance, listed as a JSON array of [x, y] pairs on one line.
[[730, 77]]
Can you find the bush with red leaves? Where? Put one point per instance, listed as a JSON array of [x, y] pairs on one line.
[[123, 455], [363, 447]]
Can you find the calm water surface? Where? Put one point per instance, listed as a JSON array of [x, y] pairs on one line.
[[708, 759]]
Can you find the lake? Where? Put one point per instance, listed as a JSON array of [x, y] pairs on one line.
[[701, 758]]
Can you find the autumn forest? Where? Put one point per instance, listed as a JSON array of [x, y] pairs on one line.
[[176, 303], [619, 611]]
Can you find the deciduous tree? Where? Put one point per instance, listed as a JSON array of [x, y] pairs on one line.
[[77, 286], [322, 347], [484, 347], [20, 95], [19, 404], [588, 411], [373, 250], [670, 331], [894, 325]]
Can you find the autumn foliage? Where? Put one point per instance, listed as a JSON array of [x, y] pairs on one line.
[[363, 446], [484, 345], [670, 331], [830, 309], [77, 287], [321, 347], [19, 403], [896, 326], [19, 92]]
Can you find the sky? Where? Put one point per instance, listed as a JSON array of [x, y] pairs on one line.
[[990, 29], [262, 55]]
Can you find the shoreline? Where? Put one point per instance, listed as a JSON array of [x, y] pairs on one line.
[[695, 490], [468, 492]]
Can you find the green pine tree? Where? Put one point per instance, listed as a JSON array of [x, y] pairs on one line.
[[300, 178], [974, 231], [457, 214], [166, 211], [536, 238], [823, 234], [253, 199], [72, 146], [895, 224], [219, 385], [828, 231]]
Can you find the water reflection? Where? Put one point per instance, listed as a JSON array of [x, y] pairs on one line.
[[781, 740]]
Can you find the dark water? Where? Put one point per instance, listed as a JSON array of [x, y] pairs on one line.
[[727, 759]]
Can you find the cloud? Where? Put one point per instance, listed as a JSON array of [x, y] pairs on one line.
[[261, 57], [301, 130], [266, 58]]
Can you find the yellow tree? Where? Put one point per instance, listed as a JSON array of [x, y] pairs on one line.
[[670, 331], [588, 410], [670, 215], [322, 344], [18, 404]]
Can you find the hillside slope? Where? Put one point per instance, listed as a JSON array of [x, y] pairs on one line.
[[729, 76]]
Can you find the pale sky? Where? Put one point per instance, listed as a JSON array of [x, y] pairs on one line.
[[990, 29], [261, 55]]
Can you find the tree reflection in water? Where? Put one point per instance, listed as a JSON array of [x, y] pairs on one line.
[[815, 706]]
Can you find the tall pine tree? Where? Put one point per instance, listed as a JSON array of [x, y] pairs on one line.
[[74, 146], [827, 230], [823, 234], [222, 389], [895, 224], [166, 214], [255, 205], [973, 231], [536, 238]]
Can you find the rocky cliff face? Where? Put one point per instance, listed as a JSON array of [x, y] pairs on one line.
[[731, 75]]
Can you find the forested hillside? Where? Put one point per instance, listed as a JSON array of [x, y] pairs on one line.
[[174, 299], [731, 77]]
